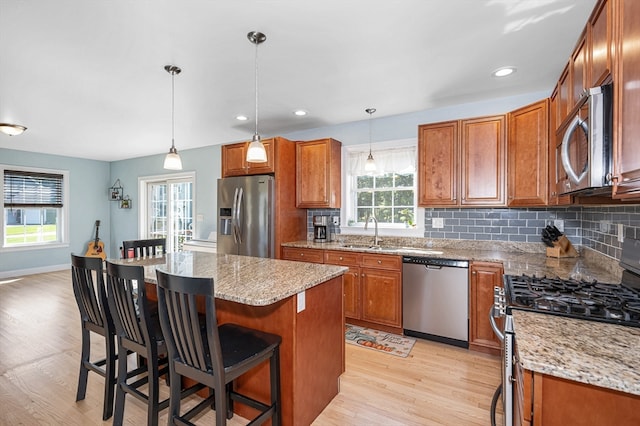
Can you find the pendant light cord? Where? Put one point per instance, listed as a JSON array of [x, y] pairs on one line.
[[256, 85], [173, 90]]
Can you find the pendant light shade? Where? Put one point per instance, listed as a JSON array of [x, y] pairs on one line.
[[370, 164], [12, 129], [256, 152], [172, 161]]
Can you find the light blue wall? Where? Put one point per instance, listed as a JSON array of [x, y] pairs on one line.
[[90, 179], [206, 163], [88, 183]]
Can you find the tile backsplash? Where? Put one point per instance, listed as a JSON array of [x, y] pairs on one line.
[[595, 227]]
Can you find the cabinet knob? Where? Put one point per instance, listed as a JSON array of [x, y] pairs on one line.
[[474, 273], [301, 254], [340, 257], [379, 262]]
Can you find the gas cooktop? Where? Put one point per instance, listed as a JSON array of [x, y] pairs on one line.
[[590, 300]]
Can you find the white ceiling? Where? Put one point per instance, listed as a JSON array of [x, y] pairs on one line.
[[87, 76]]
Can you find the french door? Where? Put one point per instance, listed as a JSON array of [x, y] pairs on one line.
[[170, 210]]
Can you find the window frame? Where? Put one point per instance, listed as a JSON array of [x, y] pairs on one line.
[[347, 198], [64, 211]]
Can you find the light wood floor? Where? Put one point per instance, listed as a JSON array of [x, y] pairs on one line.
[[39, 360]]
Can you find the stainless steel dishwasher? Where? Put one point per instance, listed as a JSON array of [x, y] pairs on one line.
[[435, 299]]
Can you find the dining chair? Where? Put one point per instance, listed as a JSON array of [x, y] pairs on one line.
[[144, 248], [138, 330], [212, 354], [89, 290]]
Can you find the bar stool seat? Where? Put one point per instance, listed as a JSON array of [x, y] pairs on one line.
[[211, 354]]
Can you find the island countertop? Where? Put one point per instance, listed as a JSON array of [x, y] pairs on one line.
[[248, 280]]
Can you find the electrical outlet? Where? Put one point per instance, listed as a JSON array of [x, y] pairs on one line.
[[620, 233], [336, 220], [437, 222], [559, 223]]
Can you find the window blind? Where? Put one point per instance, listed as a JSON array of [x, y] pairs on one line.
[[32, 189]]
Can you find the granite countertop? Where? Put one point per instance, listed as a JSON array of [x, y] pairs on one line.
[[589, 352], [517, 259], [247, 280]]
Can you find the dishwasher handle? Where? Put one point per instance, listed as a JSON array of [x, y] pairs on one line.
[[437, 267]]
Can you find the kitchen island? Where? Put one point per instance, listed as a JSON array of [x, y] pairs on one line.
[[301, 302]]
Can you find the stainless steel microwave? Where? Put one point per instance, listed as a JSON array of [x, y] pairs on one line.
[[584, 158]]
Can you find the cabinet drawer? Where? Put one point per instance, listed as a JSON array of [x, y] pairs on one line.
[[341, 258], [385, 261], [302, 254]]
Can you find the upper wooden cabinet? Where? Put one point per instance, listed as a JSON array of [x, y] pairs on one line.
[[234, 159], [578, 73], [527, 151], [465, 157], [564, 93], [626, 131], [600, 30], [318, 173], [555, 199]]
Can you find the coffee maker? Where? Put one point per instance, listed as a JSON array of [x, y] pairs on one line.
[[320, 229]]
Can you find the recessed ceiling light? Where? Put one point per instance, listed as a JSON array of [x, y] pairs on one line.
[[242, 117], [300, 112], [504, 71]]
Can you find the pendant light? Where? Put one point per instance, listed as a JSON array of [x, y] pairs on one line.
[[370, 165], [172, 161], [256, 152], [12, 129]]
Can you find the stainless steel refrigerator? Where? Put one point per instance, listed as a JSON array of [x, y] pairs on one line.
[[246, 216]]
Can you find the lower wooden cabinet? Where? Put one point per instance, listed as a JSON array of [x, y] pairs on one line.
[[483, 277], [302, 254], [372, 288], [540, 399]]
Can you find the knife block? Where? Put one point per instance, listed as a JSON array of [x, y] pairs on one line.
[[562, 248]]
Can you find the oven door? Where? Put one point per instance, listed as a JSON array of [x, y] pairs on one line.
[[506, 387]]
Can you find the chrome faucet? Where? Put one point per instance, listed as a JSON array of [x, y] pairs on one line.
[[376, 240]]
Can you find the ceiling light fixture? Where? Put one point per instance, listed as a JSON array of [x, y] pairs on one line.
[[370, 165], [12, 129], [256, 152], [172, 161], [504, 71], [242, 117], [300, 112]]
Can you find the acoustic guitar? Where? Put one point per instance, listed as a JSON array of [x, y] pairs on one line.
[[96, 247]]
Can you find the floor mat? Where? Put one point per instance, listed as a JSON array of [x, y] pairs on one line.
[[380, 341]]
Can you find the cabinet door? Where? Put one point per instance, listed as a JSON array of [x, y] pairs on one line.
[[351, 279], [600, 43], [438, 164], [351, 282], [564, 92], [234, 159], [527, 155], [484, 276], [264, 168], [578, 70], [381, 295], [483, 147], [318, 174], [627, 103]]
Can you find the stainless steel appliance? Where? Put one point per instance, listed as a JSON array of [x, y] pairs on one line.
[[585, 155], [246, 216], [587, 300], [320, 228], [435, 299]]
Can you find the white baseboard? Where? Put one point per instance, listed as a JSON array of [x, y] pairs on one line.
[[31, 271]]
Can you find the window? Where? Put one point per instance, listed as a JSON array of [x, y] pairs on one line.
[[169, 209], [389, 193], [35, 211]]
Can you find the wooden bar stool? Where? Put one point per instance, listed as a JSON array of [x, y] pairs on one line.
[[212, 354]]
